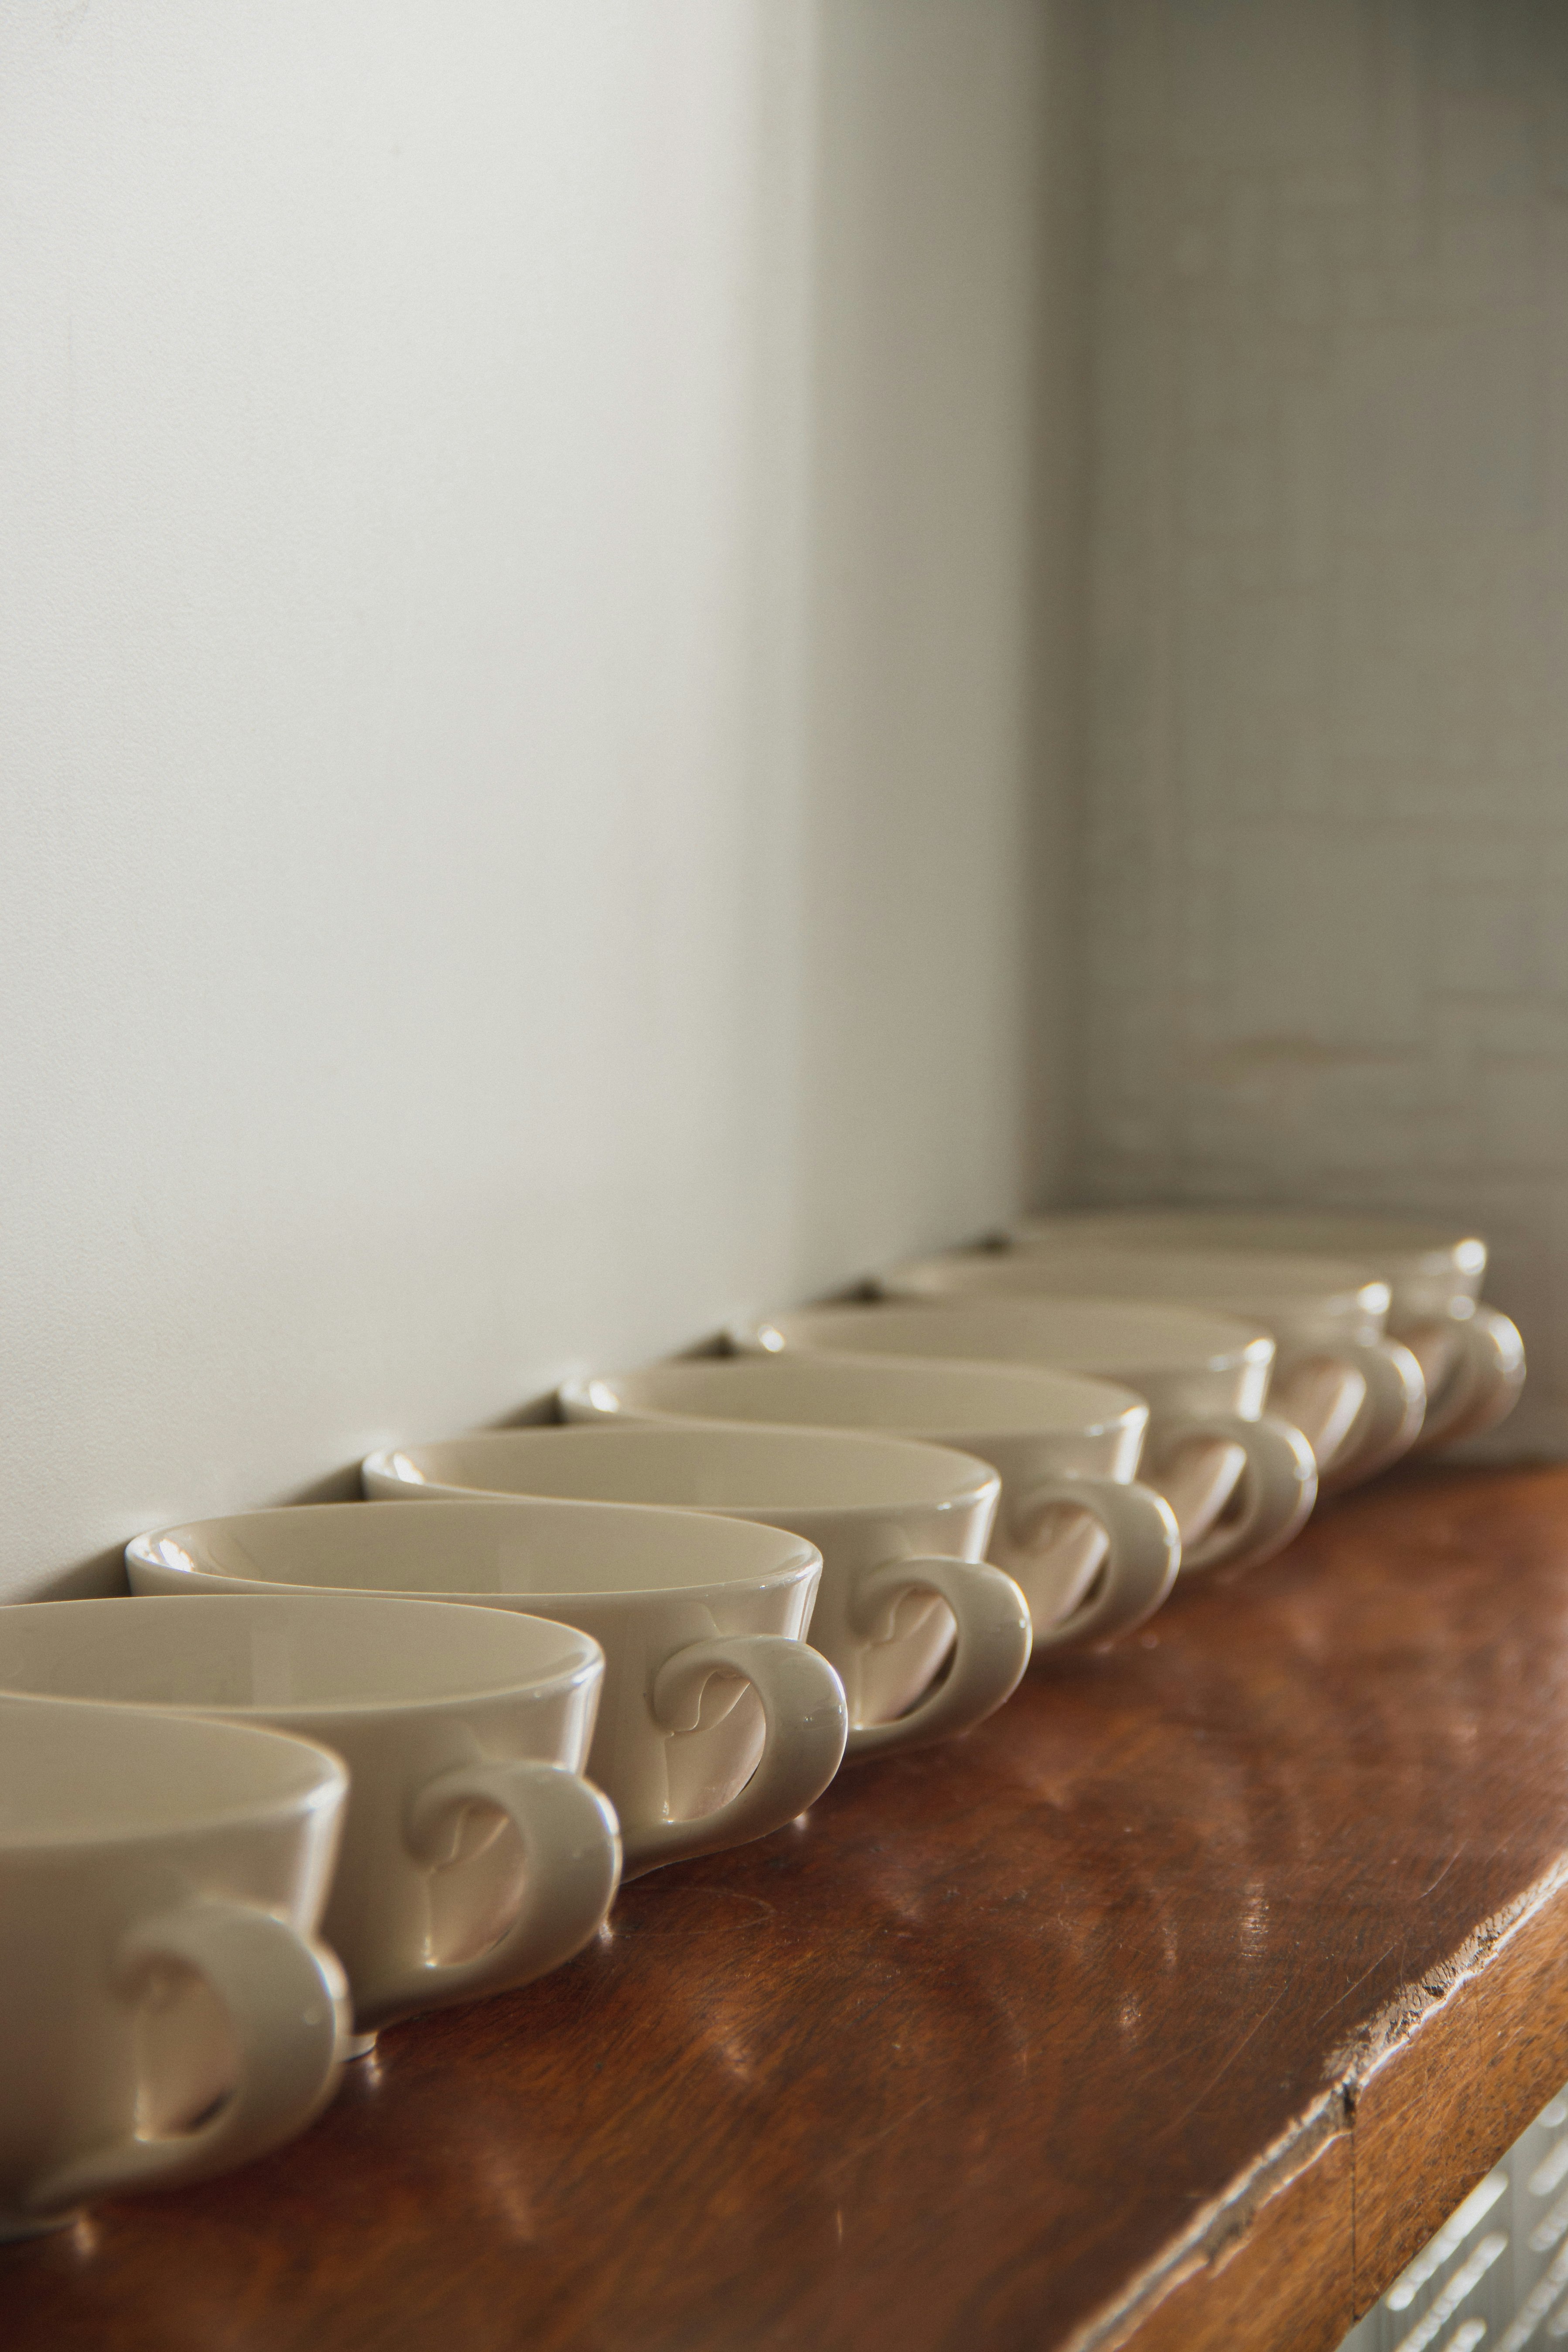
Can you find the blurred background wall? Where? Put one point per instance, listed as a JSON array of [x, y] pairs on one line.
[[648, 654], [1326, 927], [536, 690]]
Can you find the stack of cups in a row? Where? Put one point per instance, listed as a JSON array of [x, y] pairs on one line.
[[241, 1833]]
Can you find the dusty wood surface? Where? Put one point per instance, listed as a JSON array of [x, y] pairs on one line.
[[1173, 2009]]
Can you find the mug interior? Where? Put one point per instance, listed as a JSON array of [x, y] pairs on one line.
[[75, 1774], [1086, 1335], [271, 1651], [711, 1466], [947, 1403], [481, 1550]]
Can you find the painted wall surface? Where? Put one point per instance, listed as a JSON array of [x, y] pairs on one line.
[[1328, 833], [521, 697]]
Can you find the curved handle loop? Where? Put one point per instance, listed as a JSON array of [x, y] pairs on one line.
[[1484, 1385], [1142, 1557], [805, 1724], [572, 1860], [1389, 1421], [1274, 1494], [286, 2004], [989, 1655]]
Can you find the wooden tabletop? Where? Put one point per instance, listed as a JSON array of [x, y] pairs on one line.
[[1175, 2007]]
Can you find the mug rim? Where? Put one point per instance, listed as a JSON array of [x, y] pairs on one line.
[[797, 1558], [1399, 1236], [1250, 1344], [1306, 1280], [1131, 1410], [977, 1483], [260, 1714]]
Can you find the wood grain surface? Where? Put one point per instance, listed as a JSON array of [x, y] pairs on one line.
[[1173, 2007]]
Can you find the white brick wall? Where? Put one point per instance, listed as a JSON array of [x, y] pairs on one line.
[[1327, 820]]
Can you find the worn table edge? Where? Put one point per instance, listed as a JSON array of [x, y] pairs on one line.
[[1225, 2226], [1219, 2229], [1387, 2036]]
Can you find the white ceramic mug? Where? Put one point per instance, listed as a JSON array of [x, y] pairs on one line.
[[717, 1723], [1357, 1396], [1239, 1482], [1471, 1357], [1094, 1553], [901, 1529], [166, 2011], [473, 1857]]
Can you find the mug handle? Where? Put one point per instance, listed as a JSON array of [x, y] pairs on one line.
[[989, 1654], [1141, 1563], [1484, 1385], [1389, 1421], [1275, 1492], [806, 1723], [286, 2004], [572, 1853]]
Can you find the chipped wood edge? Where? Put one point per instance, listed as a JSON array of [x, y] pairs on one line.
[[1220, 2229], [1388, 2034]]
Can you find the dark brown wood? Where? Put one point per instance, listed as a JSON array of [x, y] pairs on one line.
[[1173, 2009]]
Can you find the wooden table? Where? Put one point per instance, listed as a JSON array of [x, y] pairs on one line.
[[1176, 2007]]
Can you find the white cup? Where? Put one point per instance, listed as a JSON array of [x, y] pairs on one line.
[[717, 1723], [1239, 1482], [1094, 1553], [1471, 1358], [473, 1856], [901, 1529], [167, 2011], [1357, 1396]]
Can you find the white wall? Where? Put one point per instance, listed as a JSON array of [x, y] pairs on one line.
[[1328, 886], [522, 704]]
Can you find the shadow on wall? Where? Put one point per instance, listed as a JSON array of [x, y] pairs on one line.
[[945, 551]]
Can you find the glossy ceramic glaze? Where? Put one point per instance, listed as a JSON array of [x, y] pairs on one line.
[[716, 1722], [1094, 1553], [473, 1855], [901, 1529], [1239, 1481], [1171, 2013], [1471, 1358], [1356, 1395], [165, 2011]]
